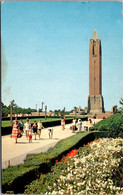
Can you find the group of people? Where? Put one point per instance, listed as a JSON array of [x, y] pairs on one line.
[[18, 128], [76, 125]]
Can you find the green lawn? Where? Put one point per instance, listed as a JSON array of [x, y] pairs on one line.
[[8, 124]]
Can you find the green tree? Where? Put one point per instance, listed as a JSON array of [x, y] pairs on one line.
[[121, 103], [5, 110], [115, 109]]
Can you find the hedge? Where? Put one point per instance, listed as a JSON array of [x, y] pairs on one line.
[[113, 124], [16, 178]]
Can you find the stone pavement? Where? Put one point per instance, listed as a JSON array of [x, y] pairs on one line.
[[16, 153]]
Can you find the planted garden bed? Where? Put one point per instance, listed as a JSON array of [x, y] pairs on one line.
[[96, 168], [15, 178]]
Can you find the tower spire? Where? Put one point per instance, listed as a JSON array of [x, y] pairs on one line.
[[95, 35]]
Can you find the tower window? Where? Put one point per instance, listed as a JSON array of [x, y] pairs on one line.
[[94, 49]]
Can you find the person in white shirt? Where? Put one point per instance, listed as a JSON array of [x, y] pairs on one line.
[[27, 127], [74, 125], [40, 126], [79, 124]]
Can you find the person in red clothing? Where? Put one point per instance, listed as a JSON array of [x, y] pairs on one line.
[[30, 136], [15, 130]]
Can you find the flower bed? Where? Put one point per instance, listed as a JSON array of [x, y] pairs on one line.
[[96, 168]]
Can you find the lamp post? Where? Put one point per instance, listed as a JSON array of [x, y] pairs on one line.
[[45, 112], [74, 109], [11, 112], [42, 106], [64, 111], [39, 111], [36, 107]]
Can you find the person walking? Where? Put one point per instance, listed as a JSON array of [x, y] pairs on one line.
[[27, 127], [74, 125], [15, 130], [79, 124], [34, 126], [40, 127], [62, 124], [30, 135], [93, 122], [21, 125], [15, 120]]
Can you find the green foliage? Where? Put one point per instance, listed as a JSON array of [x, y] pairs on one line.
[[42, 161], [95, 169], [15, 109], [5, 109], [113, 124], [115, 109], [121, 103]]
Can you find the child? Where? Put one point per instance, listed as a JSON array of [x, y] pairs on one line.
[[30, 136]]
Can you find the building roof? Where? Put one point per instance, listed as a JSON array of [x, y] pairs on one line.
[[95, 35]]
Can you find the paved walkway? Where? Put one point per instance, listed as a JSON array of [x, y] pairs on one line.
[[16, 153]]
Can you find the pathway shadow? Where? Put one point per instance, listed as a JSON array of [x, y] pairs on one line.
[[49, 139], [27, 142], [22, 143]]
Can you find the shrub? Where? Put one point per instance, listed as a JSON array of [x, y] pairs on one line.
[[113, 124]]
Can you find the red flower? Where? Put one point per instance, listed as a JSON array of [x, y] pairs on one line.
[[41, 173], [37, 176], [56, 161], [72, 153]]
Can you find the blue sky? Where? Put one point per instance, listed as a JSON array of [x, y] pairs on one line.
[[45, 52]]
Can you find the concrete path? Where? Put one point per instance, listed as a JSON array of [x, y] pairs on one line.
[[16, 153]]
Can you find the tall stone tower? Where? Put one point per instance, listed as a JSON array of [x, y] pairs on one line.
[[95, 99]]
